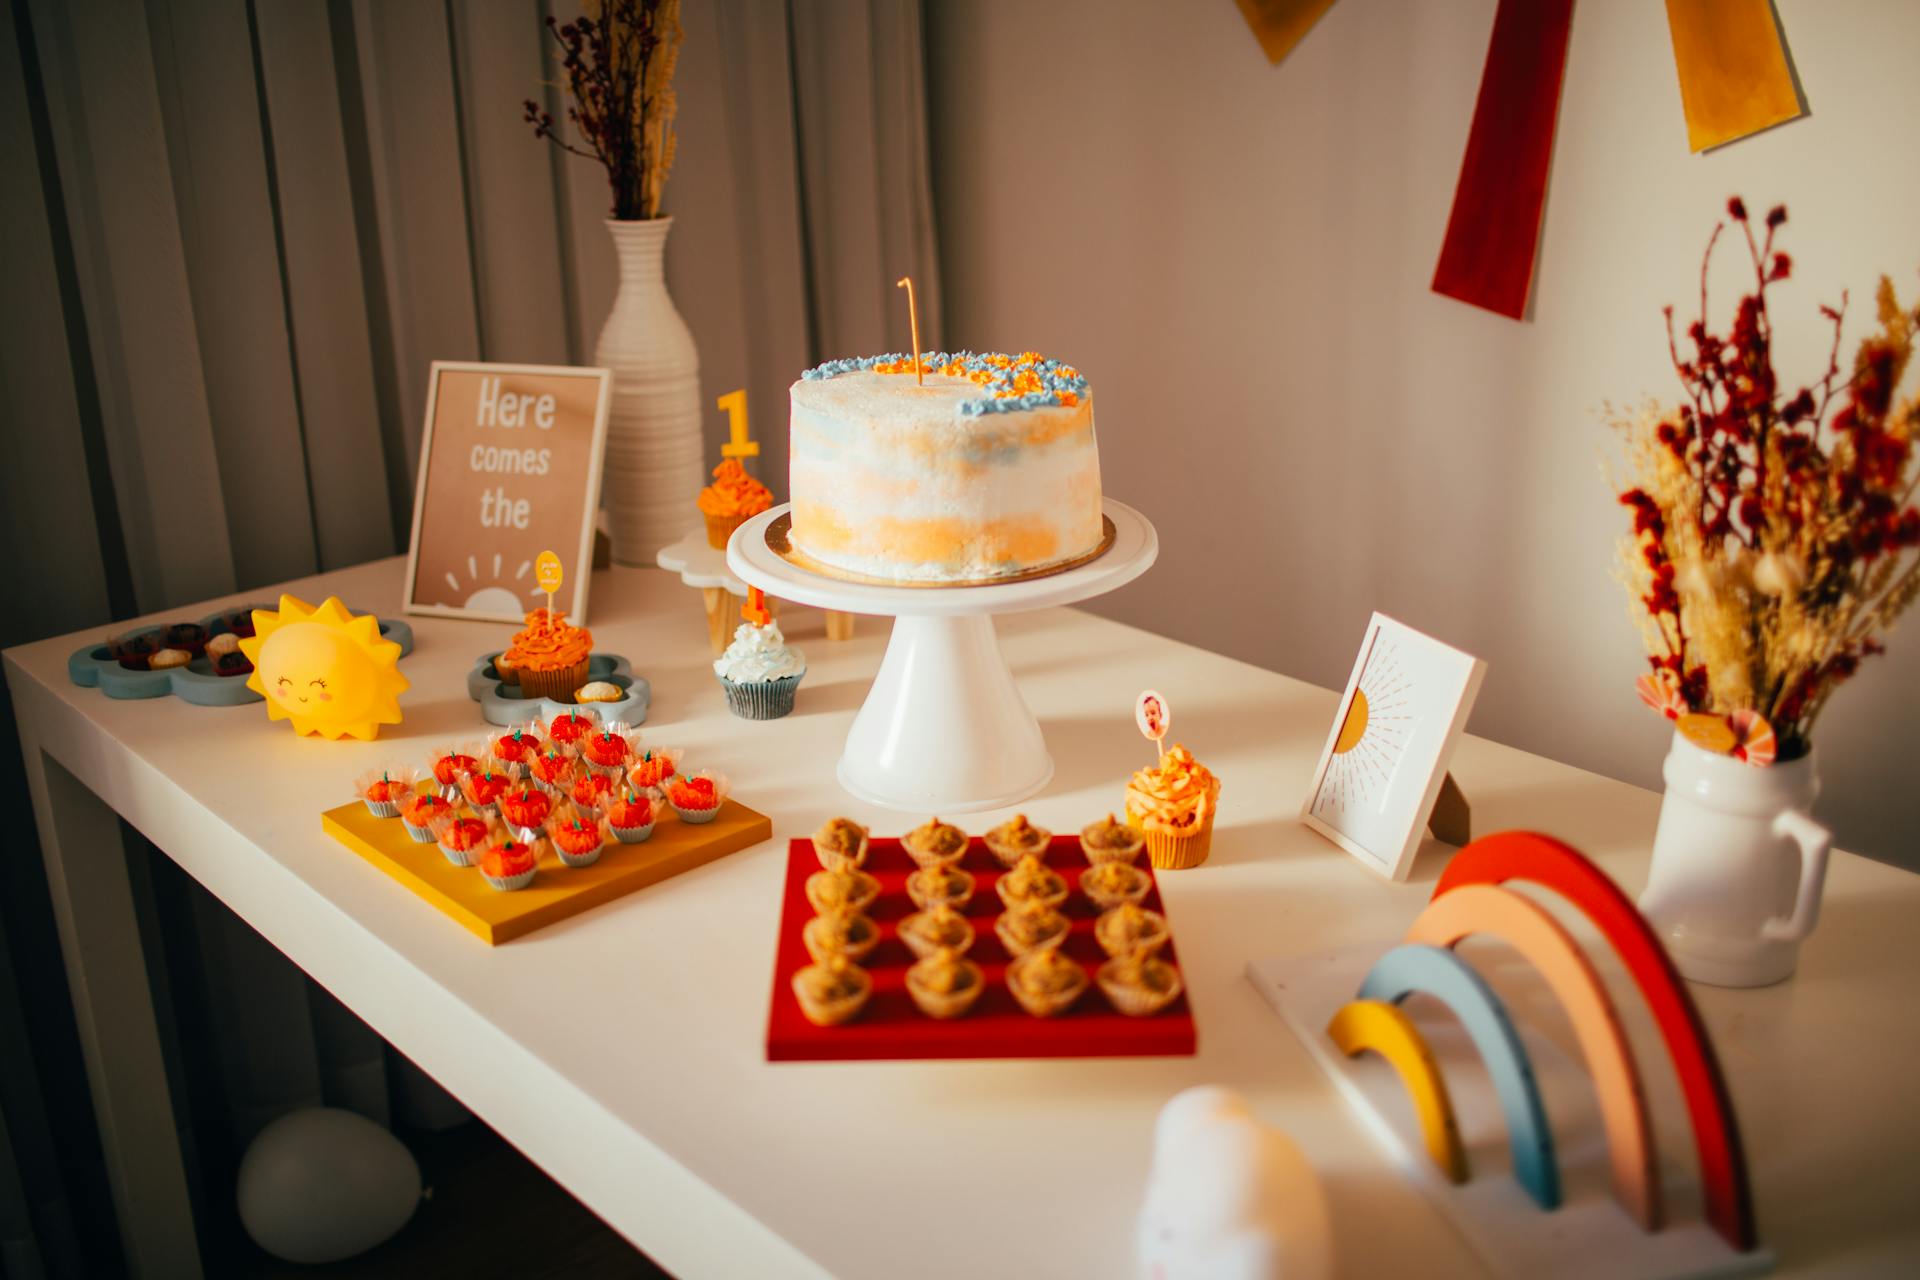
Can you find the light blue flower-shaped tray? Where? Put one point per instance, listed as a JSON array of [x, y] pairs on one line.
[[503, 704], [96, 667]]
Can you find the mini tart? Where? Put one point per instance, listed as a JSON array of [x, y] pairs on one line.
[[1112, 883], [1031, 926], [832, 991], [1128, 928], [1016, 839], [516, 747], [840, 933], [934, 842], [938, 928], [945, 984], [841, 842], [568, 729], [1139, 984], [945, 884], [1110, 841], [842, 889], [1045, 982], [1032, 881], [607, 749], [164, 659], [592, 791], [526, 806]]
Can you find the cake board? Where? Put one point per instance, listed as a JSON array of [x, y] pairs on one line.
[[944, 728]]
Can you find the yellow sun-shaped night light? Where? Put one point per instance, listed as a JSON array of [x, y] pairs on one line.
[[324, 669]]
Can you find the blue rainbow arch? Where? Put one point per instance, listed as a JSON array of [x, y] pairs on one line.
[[1438, 972]]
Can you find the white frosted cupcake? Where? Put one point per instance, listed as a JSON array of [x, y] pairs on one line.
[[760, 672]]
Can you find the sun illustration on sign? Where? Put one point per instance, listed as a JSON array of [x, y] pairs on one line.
[[324, 669], [1373, 735], [498, 596]]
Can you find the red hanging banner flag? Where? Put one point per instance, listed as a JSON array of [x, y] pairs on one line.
[[1494, 231]]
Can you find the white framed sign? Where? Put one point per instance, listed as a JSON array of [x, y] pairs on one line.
[[509, 467], [1385, 762]]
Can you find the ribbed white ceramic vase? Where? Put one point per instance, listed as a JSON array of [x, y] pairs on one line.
[[653, 468]]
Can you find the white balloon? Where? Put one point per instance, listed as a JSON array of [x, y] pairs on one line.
[[1229, 1198], [322, 1184]]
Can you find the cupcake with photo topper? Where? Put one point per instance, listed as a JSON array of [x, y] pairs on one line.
[[462, 837], [760, 671], [385, 789], [631, 816], [568, 728], [653, 769], [509, 862], [698, 798], [419, 814], [610, 748], [577, 836], [1174, 803]]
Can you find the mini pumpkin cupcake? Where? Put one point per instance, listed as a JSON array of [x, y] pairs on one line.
[[419, 813], [937, 928], [934, 842], [1139, 983], [941, 884], [610, 748], [461, 837], [508, 864], [385, 789], [592, 791], [525, 808], [482, 788], [450, 762], [1110, 841], [1016, 839], [698, 799], [630, 817], [832, 991], [1032, 926], [841, 889], [570, 727], [576, 837], [840, 933], [1112, 883], [1045, 982], [554, 771], [519, 744], [945, 984], [1032, 881], [1129, 928], [653, 770], [841, 842]]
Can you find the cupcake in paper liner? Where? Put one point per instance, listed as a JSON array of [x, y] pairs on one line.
[[1128, 928], [730, 501], [1016, 839], [1112, 883], [548, 658], [1139, 984], [385, 789], [509, 863], [611, 748], [1110, 841], [934, 841], [840, 933], [945, 984], [1046, 982], [577, 837], [592, 792], [943, 883], [630, 816], [841, 842], [525, 808], [760, 672], [482, 787], [519, 744], [698, 799], [937, 928], [1029, 927], [1031, 881], [419, 814], [832, 991], [462, 837], [842, 889], [569, 727], [555, 770], [1173, 803], [450, 760], [653, 769]]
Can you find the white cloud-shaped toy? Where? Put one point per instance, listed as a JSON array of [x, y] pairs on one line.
[[1229, 1198]]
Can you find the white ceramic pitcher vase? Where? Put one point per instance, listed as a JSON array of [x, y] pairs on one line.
[[1738, 866]]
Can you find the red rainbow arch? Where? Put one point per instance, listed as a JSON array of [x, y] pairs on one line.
[[1538, 859]]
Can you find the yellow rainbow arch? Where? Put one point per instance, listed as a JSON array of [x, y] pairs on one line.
[[1388, 1031]]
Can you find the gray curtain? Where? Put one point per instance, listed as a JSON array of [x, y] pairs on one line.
[[233, 235]]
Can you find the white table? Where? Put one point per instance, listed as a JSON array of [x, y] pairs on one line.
[[622, 1050]]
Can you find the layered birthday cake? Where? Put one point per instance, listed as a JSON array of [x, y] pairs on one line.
[[987, 469]]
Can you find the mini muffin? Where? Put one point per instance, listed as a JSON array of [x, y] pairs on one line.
[[576, 837], [508, 864], [554, 771], [592, 791], [519, 744], [570, 728], [698, 799], [842, 889], [1111, 841], [526, 806], [460, 836], [944, 984], [1112, 883], [1129, 928], [832, 991], [165, 659], [221, 645], [1017, 839], [1032, 881], [417, 815], [840, 933], [1045, 982], [944, 884], [1031, 926], [1139, 984], [934, 842], [842, 842], [599, 691], [938, 928], [630, 817]]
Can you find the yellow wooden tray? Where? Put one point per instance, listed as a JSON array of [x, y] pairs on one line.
[[558, 891]]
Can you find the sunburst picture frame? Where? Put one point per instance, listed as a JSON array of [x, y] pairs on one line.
[[1385, 760]]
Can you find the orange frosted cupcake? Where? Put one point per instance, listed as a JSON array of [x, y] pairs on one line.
[[576, 837], [548, 659], [568, 729], [460, 836], [592, 791], [508, 864], [1173, 804], [631, 817], [730, 501], [418, 815], [525, 806]]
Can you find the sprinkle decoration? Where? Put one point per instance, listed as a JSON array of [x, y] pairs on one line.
[[1012, 383]]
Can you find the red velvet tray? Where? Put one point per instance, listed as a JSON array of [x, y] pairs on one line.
[[891, 1026]]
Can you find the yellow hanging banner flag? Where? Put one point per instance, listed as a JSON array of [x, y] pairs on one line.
[[1734, 78], [1280, 24]]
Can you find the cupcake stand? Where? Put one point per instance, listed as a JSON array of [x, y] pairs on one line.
[[944, 728]]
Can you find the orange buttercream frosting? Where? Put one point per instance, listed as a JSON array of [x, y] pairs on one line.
[[1177, 796], [734, 492], [549, 643]]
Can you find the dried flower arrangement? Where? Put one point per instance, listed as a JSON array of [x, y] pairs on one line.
[[619, 57], [1771, 545]]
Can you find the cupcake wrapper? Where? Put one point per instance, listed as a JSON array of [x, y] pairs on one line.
[[1099, 857], [1016, 948], [720, 528], [1177, 853], [697, 816], [761, 699], [1046, 1005], [1136, 1002], [459, 857], [422, 835], [578, 859], [383, 808], [630, 835], [507, 883], [823, 1014], [558, 685], [944, 1005]]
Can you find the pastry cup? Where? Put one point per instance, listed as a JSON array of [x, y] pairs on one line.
[[833, 1011], [1011, 898], [922, 946], [1176, 851], [945, 1004], [1041, 1004], [820, 945], [1137, 1000], [1139, 883], [507, 884], [1008, 855], [832, 859], [955, 896], [1104, 932], [924, 857], [859, 897], [1017, 947], [1098, 855]]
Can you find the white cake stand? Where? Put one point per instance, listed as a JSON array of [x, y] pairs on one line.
[[944, 728]]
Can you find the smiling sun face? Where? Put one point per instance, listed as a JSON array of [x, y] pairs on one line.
[[327, 671]]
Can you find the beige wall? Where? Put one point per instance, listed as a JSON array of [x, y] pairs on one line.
[[1239, 256]]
